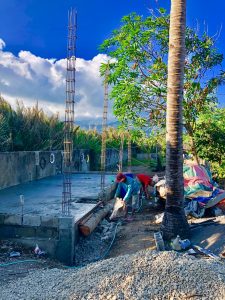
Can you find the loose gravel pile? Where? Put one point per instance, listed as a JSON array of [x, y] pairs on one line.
[[91, 248], [144, 275]]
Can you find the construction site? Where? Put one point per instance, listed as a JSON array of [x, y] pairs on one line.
[[72, 225]]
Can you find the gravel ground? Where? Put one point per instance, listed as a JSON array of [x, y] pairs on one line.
[[144, 275], [95, 246]]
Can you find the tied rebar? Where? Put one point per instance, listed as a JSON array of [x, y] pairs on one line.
[[69, 112]]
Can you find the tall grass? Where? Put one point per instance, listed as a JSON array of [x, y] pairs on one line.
[[28, 129]]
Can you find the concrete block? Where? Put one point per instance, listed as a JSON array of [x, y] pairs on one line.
[[65, 234], [23, 231], [13, 219], [64, 252], [49, 221], [66, 242], [66, 222], [31, 220], [76, 234], [2, 219], [45, 232]]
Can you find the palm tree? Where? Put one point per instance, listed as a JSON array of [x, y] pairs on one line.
[[174, 221]]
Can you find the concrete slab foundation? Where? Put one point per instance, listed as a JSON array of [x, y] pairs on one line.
[[40, 220]]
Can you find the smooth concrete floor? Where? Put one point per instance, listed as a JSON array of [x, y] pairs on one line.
[[44, 196]]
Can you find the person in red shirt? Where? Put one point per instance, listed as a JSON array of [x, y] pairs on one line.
[[145, 181]]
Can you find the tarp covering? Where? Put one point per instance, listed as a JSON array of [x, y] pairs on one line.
[[200, 191], [198, 183]]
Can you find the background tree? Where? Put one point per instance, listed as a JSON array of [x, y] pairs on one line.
[[209, 136], [139, 72], [174, 220]]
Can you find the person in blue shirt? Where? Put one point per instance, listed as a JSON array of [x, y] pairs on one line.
[[128, 189]]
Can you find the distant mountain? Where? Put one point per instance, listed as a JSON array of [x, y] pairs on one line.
[[97, 124]]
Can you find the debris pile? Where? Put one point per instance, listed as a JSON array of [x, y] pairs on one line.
[[93, 247], [144, 275]]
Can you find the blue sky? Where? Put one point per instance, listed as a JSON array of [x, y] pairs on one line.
[[40, 25], [35, 31]]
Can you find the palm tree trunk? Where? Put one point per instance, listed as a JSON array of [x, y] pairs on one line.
[[174, 221]]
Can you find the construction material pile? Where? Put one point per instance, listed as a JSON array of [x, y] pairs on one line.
[[144, 275], [201, 192]]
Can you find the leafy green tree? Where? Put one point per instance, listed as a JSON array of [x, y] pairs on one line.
[[209, 136], [139, 71]]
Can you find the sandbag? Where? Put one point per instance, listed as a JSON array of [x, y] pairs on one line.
[[119, 209]]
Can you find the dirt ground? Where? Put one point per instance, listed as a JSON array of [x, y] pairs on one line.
[[12, 268], [138, 234]]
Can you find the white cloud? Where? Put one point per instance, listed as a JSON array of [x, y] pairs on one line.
[[2, 44], [30, 78]]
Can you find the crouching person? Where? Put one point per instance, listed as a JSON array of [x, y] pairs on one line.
[[128, 189]]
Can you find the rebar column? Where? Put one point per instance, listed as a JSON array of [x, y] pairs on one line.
[[129, 153], [69, 113], [121, 154], [104, 133]]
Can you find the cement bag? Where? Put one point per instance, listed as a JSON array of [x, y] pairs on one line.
[[161, 188], [119, 209]]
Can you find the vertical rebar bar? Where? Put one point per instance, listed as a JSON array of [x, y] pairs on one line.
[[69, 112]]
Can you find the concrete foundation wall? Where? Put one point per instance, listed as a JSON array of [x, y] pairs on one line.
[[55, 235], [23, 166], [112, 159], [82, 160], [146, 156], [87, 160]]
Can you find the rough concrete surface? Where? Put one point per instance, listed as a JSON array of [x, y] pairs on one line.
[[144, 275], [209, 235], [44, 196]]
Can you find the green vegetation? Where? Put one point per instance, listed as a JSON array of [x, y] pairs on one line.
[[28, 129], [209, 137], [139, 72]]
